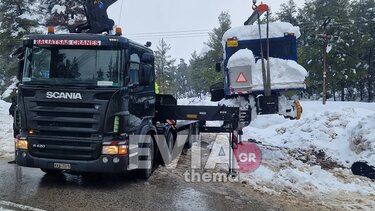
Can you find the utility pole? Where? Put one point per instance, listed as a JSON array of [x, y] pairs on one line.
[[325, 38]]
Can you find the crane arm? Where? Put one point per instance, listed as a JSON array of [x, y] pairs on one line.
[[97, 17]]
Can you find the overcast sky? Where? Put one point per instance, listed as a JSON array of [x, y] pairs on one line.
[[182, 24]]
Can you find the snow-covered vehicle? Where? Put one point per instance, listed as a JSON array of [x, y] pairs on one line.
[[262, 69]]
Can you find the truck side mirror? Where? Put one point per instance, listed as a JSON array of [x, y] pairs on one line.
[[148, 58], [148, 44], [20, 69], [218, 67], [146, 76]]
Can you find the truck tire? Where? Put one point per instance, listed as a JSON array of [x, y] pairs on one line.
[[145, 173]]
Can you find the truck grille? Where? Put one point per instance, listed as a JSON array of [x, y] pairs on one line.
[[76, 117], [64, 129], [67, 149]]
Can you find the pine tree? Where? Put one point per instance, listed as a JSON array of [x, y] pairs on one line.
[[63, 14], [288, 12], [165, 69], [181, 78], [202, 73], [331, 17], [17, 18], [364, 29], [216, 36]]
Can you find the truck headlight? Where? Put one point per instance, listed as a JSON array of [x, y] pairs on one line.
[[110, 150], [115, 150], [22, 144]]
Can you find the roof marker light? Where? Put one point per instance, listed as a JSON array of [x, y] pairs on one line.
[[51, 30], [118, 31]]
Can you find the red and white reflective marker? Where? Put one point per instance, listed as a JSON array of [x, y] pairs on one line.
[[241, 78], [69, 42], [248, 156]]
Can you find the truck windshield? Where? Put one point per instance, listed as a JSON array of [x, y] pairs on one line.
[[73, 67]]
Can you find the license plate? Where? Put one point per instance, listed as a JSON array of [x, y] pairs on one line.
[[62, 166]]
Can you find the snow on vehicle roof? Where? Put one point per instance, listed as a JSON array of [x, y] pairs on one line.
[[283, 72], [243, 57], [251, 32]]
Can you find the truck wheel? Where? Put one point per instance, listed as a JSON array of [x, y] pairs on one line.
[[143, 172]]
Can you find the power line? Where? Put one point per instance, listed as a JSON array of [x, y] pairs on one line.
[[165, 37], [172, 35], [177, 34], [122, 3], [171, 32]]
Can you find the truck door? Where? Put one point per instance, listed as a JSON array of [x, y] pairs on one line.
[[142, 90]]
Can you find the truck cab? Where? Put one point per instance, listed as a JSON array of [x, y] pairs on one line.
[[80, 96]]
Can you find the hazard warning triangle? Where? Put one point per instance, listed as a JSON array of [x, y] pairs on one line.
[[241, 78]]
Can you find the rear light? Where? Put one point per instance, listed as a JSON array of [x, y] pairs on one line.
[[288, 34]]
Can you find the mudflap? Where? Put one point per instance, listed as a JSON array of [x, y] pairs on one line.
[[267, 105]]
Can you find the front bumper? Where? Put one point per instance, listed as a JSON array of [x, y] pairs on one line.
[[23, 158]]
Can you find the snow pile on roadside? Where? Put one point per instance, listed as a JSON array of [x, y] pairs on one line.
[[203, 100], [311, 158], [6, 131], [289, 73], [251, 32], [362, 139], [10, 89]]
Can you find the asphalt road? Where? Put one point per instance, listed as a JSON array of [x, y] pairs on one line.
[[163, 191]]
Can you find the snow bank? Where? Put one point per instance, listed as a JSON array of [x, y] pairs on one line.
[[284, 73], [277, 29], [311, 158], [6, 131], [332, 129], [362, 139], [10, 89], [204, 100]]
